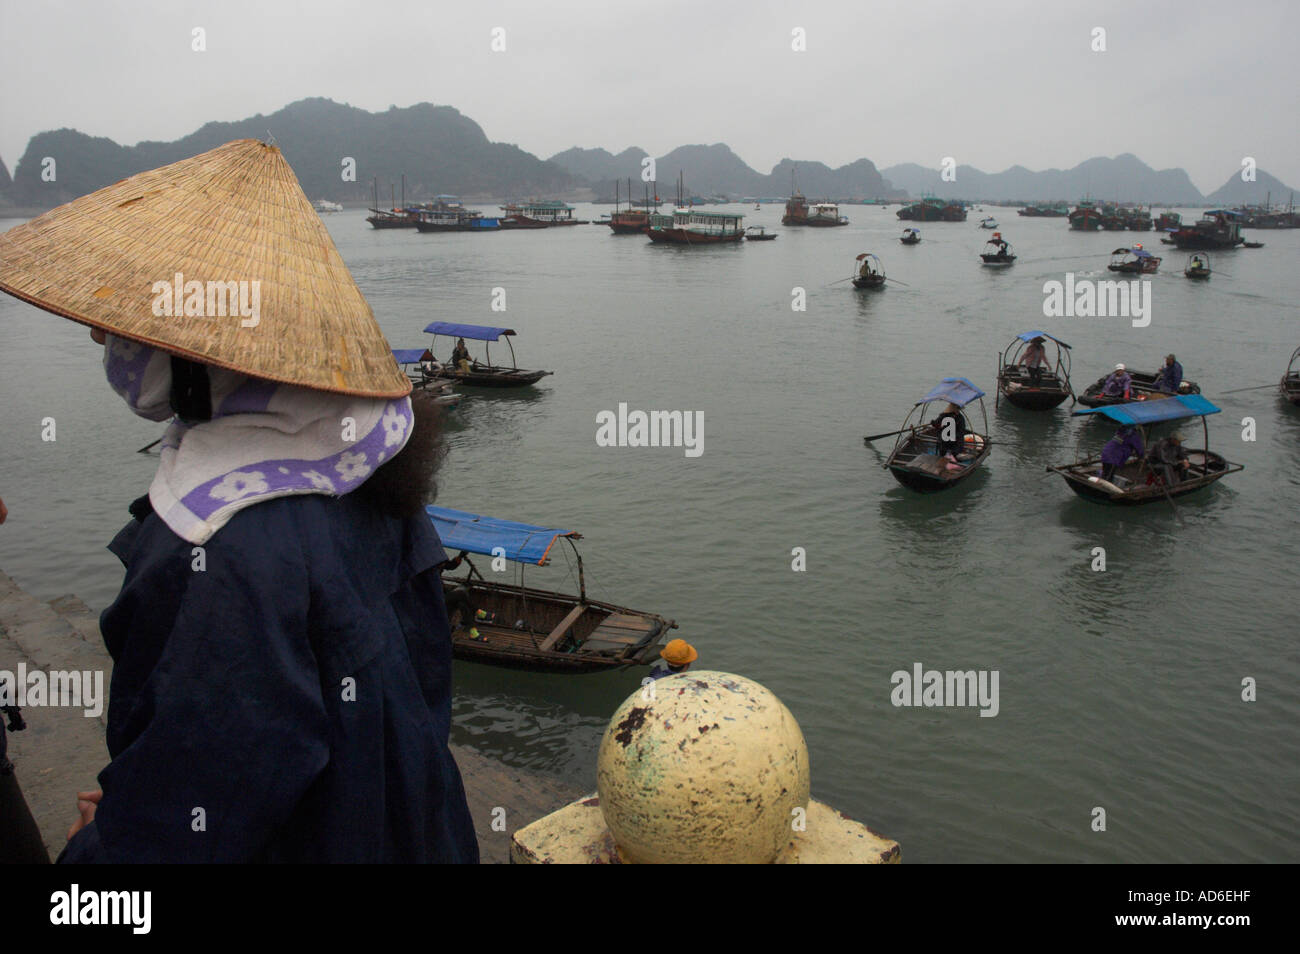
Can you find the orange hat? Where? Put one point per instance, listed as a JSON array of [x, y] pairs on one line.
[[679, 652]]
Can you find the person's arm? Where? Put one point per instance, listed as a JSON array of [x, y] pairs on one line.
[[227, 729]]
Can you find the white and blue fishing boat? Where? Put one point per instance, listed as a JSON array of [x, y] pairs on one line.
[[513, 625], [916, 461], [1137, 482], [482, 374]]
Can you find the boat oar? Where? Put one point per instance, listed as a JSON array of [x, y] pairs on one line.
[[897, 282], [1258, 387], [1165, 490], [876, 437], [147, 447], [849, 279]]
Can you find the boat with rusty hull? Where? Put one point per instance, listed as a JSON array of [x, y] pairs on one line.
[[1136, 482], [915, 462], [1020, 388], [932, 209], [521, 627], [1217, 228], [1085, 217], [1143, 388]]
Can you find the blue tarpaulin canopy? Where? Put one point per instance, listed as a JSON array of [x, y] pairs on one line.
[[1031, 335], [410, 355], [957, 391], [1153, 412], [521, 542], [474, 332], [1138, 252]]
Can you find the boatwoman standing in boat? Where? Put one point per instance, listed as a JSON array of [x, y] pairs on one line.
[[281, 688]]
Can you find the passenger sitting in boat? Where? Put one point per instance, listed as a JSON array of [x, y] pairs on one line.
[[460, 357], [1119, 384], [951, 436], [1170, 377], [676, 657], [1168, 458], [1034, 358], [1126, 443], [457, 600]]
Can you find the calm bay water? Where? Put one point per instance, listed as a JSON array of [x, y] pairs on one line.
[[1118, 689]]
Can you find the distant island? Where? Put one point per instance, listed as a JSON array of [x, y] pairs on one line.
[[440, 151]]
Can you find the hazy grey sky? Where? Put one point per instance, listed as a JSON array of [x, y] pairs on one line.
[[1183, 83]]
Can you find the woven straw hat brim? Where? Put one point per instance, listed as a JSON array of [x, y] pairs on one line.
[[236, 215]]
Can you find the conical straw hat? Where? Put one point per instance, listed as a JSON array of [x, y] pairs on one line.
[[232, 215]]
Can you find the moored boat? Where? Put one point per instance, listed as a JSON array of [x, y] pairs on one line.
[[1168, 221], [932, 456], [1133, 261], [473, 373], [911, 237], [998, 253], [932, 209], [868, 273], [1217, 228], [690, 226], [426, 374], [538, 214], [1137, 481], [325, 206], [1198, 266], [516, 626], [1038, 388], [1289, 386], [1045, 211], [1086, 217], [756, 233]]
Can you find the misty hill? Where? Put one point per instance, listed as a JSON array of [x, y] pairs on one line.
[[716, 170], [1236, 192], [1125, 178], [5, 180], [437, 148]]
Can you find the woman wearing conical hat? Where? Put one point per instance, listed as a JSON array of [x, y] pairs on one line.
[[282, 660]]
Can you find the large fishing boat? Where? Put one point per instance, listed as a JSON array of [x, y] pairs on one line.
[[629, 221], [931, 209], [1086, 217], [1217, 228], [447, 214], [1045, 211], [503, 623], [692, 227], [1144, 386], [1168, 221], [1137, 481], [538, 214], [818, 214]]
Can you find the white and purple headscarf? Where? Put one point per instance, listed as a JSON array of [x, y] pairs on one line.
[[264, 440]]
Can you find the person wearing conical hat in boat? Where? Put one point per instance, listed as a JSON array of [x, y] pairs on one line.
[[1168, 458], [1033, 359], [1118, 383], [281, 689], [676, 657]]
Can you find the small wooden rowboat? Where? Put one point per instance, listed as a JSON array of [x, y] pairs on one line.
[[533, 629], [1133, 261], [1198, 266], [1021, 388], [483, 374], [1136, 482], [915, 461], [998, 253], [1289, 386], [911, 237], [868, 273], [756, 233], [1144, 388], [425, 373]]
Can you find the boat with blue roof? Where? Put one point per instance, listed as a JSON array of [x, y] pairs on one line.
[[471, 372], [1034, 386], [935, 455]]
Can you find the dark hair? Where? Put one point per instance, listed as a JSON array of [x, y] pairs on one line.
[[408, 481]]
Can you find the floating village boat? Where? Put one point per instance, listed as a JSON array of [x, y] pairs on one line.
[[1217, 228], [998, 253], [869, 273], [911, 237], [394, 218], [1198, 266], [1086, 217], [1133, 261], [931, 209], [1136, 482], [1289, 386], [446, 214], [819, 214], [629, 221], [756, 233], [425, 373], [538, 214], [1045, 211], [988, 222], [1021, 387], [533, 629], [1143, 388], [915, 461], [692, 227], [484, 374]]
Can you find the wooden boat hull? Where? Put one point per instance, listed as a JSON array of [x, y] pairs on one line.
[[995, 261], [387, 222], [915, 241], [1136, 268], [761, 238], [620, 228], [496, 378], [900, 464], [687, 237], [1289, 387], [870, 282], [1197, 273], [1144, 388], [522, 222], [602, 637], [1017, 391], [1208, 468]]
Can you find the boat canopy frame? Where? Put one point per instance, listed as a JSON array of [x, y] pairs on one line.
[[1010, 357], [485, 333], [958, 391], [1143, 414]]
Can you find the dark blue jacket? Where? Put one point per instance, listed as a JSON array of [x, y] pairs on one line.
[[297, 690], [1170, 377]]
